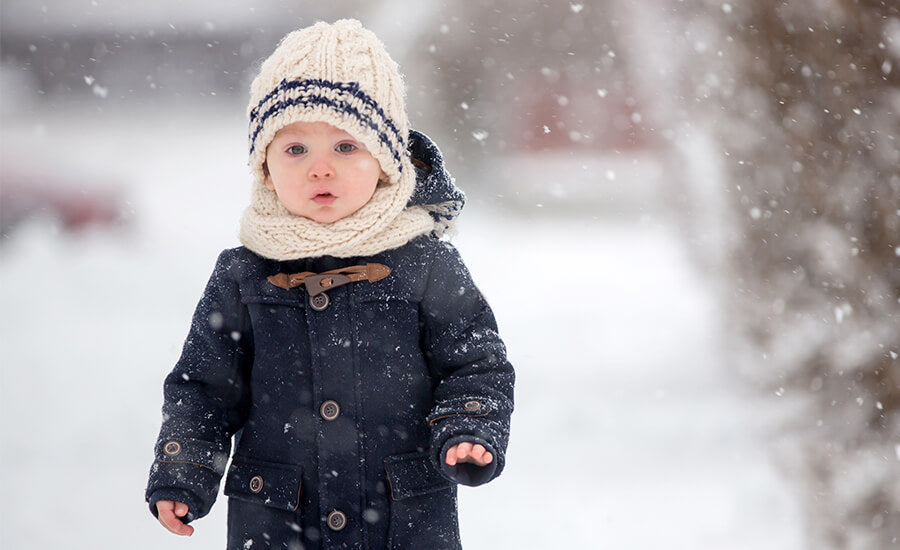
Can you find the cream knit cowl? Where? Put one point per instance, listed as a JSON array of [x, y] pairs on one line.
[[268, 229]]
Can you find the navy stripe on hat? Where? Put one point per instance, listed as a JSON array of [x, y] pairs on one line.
[[312, 93]]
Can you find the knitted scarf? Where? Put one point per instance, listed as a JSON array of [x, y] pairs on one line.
[[268, 229]]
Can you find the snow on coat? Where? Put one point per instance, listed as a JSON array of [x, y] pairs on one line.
[[341, 416]]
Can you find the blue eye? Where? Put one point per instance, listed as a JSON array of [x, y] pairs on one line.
[[296, 149], [345, 147]]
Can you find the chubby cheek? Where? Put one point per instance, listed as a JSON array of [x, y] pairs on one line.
[[368, 172], [286, 183], [364, 191], [366, 167]]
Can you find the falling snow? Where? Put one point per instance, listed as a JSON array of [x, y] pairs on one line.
[[637, 315], [100, 91]]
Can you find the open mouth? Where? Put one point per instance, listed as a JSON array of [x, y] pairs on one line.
[[324, 198]]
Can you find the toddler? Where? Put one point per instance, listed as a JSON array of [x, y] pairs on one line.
[[344, 346]]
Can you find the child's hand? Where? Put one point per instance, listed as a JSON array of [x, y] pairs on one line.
[[169, 512], [468, 452]]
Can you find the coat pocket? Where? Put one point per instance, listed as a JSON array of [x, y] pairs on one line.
[[265, 483], [423, 504], [413, 474]]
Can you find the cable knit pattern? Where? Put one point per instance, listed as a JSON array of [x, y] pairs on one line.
[[340, 74], [290, 237]]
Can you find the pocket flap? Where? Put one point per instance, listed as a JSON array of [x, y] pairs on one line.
[[413, 474], [187, 450], [267, 483]]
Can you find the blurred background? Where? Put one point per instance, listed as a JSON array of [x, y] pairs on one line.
[[705, 194]]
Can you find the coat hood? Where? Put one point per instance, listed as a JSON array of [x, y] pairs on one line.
[[435, 189]]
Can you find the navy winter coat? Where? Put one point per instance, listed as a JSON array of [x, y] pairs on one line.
[[341, 417]]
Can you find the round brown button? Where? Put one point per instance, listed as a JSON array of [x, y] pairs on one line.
[[337, 520], [472, 406], [319, 301], [330, 410], [172, 448], [256, 484]]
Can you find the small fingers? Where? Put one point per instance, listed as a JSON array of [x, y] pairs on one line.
[[450, 459], [463, 450], [477, 452], [470, 453], [167, 510], [480, 455], [181, 509]]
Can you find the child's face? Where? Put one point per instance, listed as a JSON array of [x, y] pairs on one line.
[[320, 172]]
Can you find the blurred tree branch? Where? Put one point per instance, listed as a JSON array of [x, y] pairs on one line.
[[813, 156]]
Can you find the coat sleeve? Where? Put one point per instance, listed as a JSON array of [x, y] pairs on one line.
[[206, 397], [473, 397]]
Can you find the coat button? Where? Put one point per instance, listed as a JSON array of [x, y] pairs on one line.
[[319, 301], [337, 520], [256, 484], [472, 406], [330, 410], [172, 448]]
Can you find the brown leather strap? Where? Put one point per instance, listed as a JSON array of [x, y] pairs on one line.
[[419, 164], [316, 283]]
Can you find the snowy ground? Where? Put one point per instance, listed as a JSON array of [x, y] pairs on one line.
[[629, 431]]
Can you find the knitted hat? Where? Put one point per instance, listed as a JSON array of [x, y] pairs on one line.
[[340, 74]]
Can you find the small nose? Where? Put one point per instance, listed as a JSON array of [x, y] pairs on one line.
[[320, 169]]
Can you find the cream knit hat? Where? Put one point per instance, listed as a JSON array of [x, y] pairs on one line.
[[340, 74]]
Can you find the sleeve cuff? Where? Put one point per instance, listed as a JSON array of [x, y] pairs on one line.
[[466, 473]]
